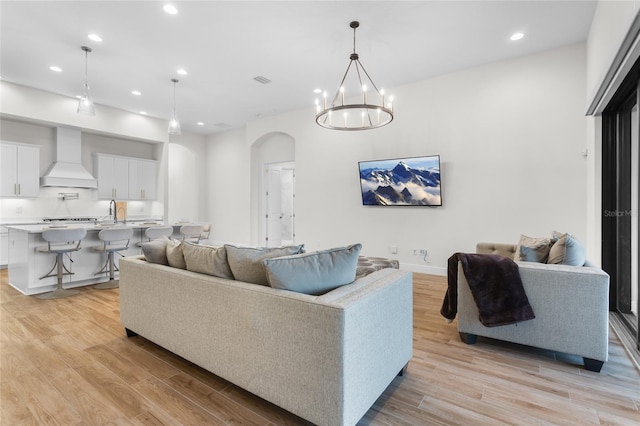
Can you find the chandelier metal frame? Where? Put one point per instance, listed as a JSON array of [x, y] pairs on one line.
[[372, 115]]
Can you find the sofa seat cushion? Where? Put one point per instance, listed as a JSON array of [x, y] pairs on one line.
[[314, 273], [246, 262]]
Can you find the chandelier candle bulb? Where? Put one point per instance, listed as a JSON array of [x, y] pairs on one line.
[[324, 96], [364, 94], [342, 94]]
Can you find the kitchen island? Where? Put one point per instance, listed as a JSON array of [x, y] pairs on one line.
[[27, 265]]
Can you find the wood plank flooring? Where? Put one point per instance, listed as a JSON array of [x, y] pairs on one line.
[[68, 362]]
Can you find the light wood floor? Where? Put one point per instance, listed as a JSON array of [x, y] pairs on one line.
[[68, 362]]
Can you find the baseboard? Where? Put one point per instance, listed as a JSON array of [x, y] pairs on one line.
[[424, 269]]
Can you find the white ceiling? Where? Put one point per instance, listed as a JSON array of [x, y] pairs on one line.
[[298, 45]]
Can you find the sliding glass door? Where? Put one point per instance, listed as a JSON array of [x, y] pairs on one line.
[[620, 194]]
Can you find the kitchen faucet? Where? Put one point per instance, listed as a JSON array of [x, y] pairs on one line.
[[115, 212]]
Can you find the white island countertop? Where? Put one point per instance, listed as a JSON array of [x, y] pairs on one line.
[[38, 228], [27, 265]]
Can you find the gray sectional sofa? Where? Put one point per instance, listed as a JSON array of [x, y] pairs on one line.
[[571, 306], [324, 358]]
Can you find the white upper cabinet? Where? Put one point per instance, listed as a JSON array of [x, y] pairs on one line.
[[113, 177], [20, 166], [125, 178], [142, 179]]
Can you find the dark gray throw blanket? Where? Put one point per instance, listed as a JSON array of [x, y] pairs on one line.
[[496, 287]]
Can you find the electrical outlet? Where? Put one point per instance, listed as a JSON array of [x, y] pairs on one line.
[[18, 210], [393, 249]]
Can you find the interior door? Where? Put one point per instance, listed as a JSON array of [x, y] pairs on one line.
[[288, 195], [274, 208]]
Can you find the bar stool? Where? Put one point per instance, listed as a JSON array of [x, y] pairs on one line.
[[155, 232], [113, 240], [191, 232], [60, 241]]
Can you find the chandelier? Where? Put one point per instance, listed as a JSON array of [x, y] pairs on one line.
[[370, 113]]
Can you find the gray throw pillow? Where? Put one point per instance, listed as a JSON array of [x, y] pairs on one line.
[[541, 244], [538, 254], [174, 254], [246, 262], [206, 260], [156, 251], [316, 272]]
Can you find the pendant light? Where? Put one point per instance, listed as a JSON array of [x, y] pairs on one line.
[[85, 105], [174, 124], [369, 111]]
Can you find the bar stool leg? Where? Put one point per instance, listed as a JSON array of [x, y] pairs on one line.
[[111, 283], [58, 292]]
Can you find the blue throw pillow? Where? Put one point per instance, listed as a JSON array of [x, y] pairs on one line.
[[316, 272]]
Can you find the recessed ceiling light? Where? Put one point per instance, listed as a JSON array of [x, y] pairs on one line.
[[317, 90], [95, 37], [181, 71], [136, 92], [200, 123], [516, 36], [143, 112], [170, 9], [55, 68]]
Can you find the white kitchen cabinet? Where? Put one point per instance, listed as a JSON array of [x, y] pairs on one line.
[[142, 179], [113, 177], [20, 172], [4, 247]]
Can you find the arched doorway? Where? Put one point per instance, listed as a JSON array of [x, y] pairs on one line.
[[273, 189]]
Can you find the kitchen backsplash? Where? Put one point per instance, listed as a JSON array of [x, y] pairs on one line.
[[51, 204]]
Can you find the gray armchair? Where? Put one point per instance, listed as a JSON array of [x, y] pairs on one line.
[[571, 305]]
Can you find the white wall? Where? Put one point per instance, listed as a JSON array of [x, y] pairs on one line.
[[228, 173], [185, 171], [510, 136]]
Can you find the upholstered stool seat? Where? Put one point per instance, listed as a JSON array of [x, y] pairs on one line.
[[155, 232], [191, 232], [60, 241], [114, 240]]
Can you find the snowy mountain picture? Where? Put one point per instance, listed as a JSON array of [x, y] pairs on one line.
[[401, 182]]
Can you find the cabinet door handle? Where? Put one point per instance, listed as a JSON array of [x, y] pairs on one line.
[[18, 189], [143, 195], [15, 189]]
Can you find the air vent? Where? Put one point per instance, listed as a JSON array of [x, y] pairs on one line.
[[261, 79], [223, 125]]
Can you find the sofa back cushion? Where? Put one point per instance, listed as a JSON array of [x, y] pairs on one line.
[[156, 251], [246, 262], [174, 254], [206, 260], [314, 273]]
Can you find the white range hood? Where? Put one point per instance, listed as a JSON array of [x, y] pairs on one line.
[[67, 169]]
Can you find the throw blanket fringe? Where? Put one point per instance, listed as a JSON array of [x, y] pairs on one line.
[[496, 287]]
